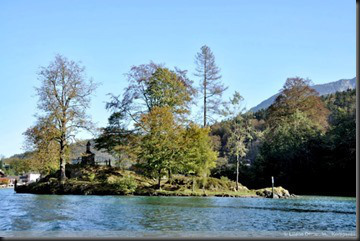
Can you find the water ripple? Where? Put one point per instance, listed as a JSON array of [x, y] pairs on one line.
[[70, 213]]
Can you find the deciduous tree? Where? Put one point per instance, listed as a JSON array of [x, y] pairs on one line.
[[64, 96], [152, 85], [241, 134], [160, 142], [297, 95], [40, 141], [199, 156]]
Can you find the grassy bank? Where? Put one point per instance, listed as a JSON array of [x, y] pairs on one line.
[[104, 180]]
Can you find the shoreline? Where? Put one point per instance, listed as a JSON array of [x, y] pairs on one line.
[[152, 195], [104, 180], [195, 195], [142, 192], [261, 193]]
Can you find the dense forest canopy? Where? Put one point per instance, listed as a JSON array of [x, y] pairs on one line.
[[306, 141], [302, 155]]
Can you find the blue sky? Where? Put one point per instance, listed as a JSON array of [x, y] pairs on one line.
[[257, 45]]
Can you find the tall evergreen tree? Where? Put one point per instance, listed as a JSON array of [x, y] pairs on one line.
[[211, 87]]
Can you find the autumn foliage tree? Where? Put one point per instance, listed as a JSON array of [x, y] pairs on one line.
[[156, 104], [153, 85], [40, 141], [297, 95], [297, 119], [150, 86], [64, 96]]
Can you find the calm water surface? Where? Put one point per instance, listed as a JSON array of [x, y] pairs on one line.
[[134, 216]]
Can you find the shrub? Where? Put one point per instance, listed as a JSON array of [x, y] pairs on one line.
[[126, 184], [203, 182], [224, 179], [91, 177]]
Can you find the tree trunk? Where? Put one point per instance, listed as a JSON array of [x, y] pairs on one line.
[[159, 180], [237, 172], [62, 176], [205, 85], [205, 107], [169, 175], [204, 183]]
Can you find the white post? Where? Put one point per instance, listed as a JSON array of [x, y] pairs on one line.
[[272, 183]]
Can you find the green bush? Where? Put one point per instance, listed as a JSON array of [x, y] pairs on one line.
[[91, 177], [224, 179], [203, 182], [126, 184], [194, 184]]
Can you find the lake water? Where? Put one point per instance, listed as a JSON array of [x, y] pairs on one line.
[[29, 215]]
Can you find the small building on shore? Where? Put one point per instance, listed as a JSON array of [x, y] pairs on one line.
[[29, 178], [88, 158], [85, 153]]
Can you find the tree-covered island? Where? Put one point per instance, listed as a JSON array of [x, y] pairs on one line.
[[160, 148]]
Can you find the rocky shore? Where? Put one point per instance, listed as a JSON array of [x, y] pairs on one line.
[[279, 192]]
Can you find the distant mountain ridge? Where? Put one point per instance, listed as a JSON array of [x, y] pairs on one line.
[[323, 89]]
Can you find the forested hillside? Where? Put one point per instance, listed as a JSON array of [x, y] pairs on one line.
[[300, 159], [303, 156]]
